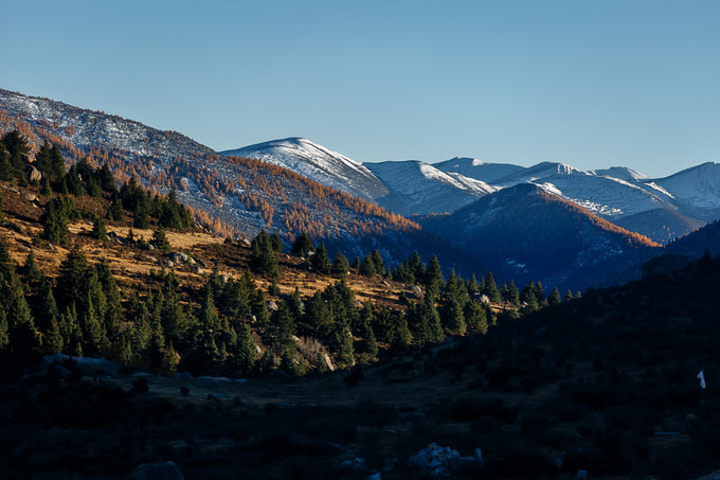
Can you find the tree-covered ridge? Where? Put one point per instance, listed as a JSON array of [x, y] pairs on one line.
[[214, 188]]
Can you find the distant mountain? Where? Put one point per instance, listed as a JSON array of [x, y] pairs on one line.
[[317, 163], [659, 209], [525, 233], [695, 190], [477, 169], [416, 188], [406, 188]]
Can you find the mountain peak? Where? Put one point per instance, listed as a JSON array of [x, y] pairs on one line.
[[318, 163]]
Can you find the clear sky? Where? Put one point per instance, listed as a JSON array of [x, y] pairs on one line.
[[589, 83]]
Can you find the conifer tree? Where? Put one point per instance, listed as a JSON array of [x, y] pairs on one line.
[[53, 338], [113, 305], [367, 267], [71, 284], [160, 240], [302, 245], [433, 276], [7, 172], [24, 340], [262, 256], [554, 297], [245, 352], [71, 333], [319, 261], [378, 262], [344, 344], [277, 243], [368, 343], [18, 148], [340, 266], [476, 318], [99, 230], [455, 297], [568, 295], [490, 288], [54, 221], [30, 270], [400, 336], [318, 315]]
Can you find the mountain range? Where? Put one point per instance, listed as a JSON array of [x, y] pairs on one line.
[[661, 209], [294, 185]]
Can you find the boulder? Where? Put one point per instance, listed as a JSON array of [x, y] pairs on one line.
[[85, 365]]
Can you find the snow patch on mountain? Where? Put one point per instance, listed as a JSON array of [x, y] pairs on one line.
[[419, 188], [317, 163], [478, 169]]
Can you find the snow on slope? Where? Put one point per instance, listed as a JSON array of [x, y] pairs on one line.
[[477, 169], [84, 128], [419, 188], [317, 163], [696, 189]]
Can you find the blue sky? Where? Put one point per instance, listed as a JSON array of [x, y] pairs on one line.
[[589, 83]]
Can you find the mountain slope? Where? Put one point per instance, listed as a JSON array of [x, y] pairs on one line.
[[317, 163], [418, 188], [234, 196], [696, 190], [477, 169], [524, 233]]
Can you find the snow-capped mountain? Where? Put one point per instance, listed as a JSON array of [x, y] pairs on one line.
[[406, 188], [317, 163], [695, 190], [417, 188], [478, 169]]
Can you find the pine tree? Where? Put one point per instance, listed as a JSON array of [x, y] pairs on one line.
[[433, 276], [24, 340], [490, 288], [455, 297], [318, 315], [476, 318], [53, 338], [400, 336], [54, 221], [30, 270], [554, 297], [568, 295], [99, 230], [367, 267], [71, 333], [277, 243], [262, 256], [369, 342], [71, 284], [302, 245], [93, 333], [7, 172], [113, 306], [18, 148], [319, 261], [245, 352], [378, 262], [340, 266], [344, 344]]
